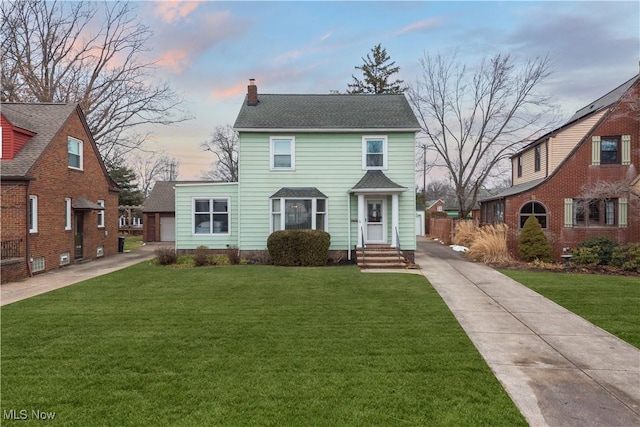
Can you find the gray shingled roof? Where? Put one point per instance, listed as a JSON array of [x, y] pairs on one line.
[[299, 192], [83, 204], [324, 112], [516, 189], [605, 100], [162, 198], [376, 179], [43, 119]]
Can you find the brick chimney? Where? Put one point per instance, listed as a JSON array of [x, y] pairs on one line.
[[252, 93]]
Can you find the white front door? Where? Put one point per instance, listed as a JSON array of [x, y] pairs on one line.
[[376, 229]]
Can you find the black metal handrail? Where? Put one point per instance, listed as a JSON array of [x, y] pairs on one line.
[[10, 248], [362, 245]]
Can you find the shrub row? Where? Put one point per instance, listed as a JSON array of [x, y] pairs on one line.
[[200, 257], [606, 251], [299, 247]]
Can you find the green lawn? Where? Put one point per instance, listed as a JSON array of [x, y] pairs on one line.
[[246, 345], [133, 242], [611, 302]]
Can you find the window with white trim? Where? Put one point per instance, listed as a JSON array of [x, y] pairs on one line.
[[374, 152], [75, 153], [67, 213], [33, 214], [299, 214], [282, 153], [211, 215], [101, 214]]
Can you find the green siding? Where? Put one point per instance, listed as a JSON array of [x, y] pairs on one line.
[[332, 163], [185, 238]]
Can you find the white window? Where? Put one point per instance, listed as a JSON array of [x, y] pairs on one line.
[[67, 213], [65, 258], [282, 153], [374, 152], [101, 214], [211, 216], [33, 214], [299, 214], [75, 153]]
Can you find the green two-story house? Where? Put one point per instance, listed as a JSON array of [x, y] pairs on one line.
[[339, 163]]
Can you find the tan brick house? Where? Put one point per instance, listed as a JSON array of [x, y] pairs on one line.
[[580, 180], [58, 206]]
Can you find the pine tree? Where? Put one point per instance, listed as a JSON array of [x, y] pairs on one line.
[[376, 73], [533, 243]]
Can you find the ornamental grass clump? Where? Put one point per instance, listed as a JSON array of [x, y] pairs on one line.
[[533, 242], [489, 245], [464, 232]]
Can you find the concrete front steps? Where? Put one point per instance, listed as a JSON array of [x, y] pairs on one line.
[[380, 256]]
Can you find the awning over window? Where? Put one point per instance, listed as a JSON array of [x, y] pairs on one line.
[[83, 204], [298, 193], [376, 181]]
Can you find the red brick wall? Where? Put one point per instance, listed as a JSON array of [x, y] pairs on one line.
[[53, 182], [13, 222], [572, 175]]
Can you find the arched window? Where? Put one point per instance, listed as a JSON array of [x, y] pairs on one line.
[[536, 209]]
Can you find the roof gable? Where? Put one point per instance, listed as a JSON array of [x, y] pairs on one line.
[[45, 120], [328, 112]]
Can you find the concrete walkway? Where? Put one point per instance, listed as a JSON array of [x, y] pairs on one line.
[[559, 369], [41, 283]]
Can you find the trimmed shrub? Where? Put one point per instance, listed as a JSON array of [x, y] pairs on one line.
[[490, 244], [299, 247], [200, 256], [166, 255], [533, 243], [586, 256], [627, 257], [603, 246]]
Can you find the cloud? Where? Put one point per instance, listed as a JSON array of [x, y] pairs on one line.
[[171, 11], [424, 25], [175, 60], [326, 36], [180, 46], [230, 92]]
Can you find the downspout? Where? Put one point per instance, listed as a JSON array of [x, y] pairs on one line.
[[348, 226], [28, 232]]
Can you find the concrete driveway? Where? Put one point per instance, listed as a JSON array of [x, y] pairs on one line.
[[559, 369], [41, 283]]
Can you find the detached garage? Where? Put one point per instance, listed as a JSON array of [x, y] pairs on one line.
[[159, 213]]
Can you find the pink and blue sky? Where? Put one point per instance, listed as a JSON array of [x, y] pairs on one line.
[[208, 51]]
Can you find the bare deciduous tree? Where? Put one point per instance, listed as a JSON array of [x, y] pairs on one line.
[[91, 54], [224, 144], [602, 190], [476, 119], [151, 167]]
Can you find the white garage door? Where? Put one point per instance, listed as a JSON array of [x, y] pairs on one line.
[[419, 223], [167, 229]]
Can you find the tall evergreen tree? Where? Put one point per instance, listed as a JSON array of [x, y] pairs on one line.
[[125, 177], [376, 72]]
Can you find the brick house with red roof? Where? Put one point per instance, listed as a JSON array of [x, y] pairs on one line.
[[59, 206]]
